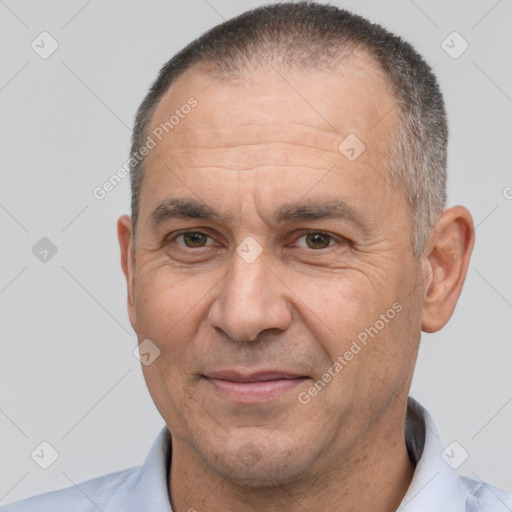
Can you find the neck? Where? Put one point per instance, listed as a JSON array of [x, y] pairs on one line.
[[375, 476]]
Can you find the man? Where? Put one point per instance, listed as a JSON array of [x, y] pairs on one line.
[[288, 243]]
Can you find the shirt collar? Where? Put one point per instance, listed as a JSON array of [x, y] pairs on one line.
[[149, 491], [435, 485]]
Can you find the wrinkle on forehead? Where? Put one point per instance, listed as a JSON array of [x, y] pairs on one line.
[[247, 146], [244, 158], [282, 122], [210, 135]]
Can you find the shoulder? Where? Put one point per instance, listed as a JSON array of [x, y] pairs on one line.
[[484, 497], [92, 495]]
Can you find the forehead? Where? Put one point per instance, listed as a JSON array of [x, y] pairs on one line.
[[271, 120], [309, 106]]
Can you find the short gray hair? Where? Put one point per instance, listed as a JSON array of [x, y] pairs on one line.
[[308, 35]]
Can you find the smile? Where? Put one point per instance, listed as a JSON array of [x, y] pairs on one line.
[[256, 387]]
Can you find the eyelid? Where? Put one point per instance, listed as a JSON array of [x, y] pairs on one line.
[[172, 237], [334, 238]]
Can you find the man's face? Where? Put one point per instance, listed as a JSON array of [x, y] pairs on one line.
[[275, 289]]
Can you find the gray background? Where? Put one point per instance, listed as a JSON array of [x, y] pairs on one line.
[[67, 372]]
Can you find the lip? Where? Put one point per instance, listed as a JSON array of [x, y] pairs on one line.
[[252, 387]]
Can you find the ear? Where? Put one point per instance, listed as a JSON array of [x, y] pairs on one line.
[[446, 262], [124, 234]]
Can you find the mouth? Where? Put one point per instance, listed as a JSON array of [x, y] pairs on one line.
[[252, 387]]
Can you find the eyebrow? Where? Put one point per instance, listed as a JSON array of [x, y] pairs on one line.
[[177, 208]]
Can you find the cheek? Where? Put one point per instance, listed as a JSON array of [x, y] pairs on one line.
[[169, 308], [336, 307], [361, 320], [166, 300]]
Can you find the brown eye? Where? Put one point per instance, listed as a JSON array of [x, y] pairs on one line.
[[193, 239], [317, 240]]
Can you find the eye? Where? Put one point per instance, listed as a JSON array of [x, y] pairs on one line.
[[310, 240], [316, 240], [191, 239]]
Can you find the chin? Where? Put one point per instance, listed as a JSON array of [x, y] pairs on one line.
[[267, 474], [260, 461]]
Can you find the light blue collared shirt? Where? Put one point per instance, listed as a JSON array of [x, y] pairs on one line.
[[435, 487]]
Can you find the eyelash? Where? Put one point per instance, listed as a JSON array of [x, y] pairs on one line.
[[332, 238]]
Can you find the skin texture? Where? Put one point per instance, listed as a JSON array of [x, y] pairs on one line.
[[247, 148]]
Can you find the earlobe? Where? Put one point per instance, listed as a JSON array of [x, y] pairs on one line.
[[446, 266], [124, 234]]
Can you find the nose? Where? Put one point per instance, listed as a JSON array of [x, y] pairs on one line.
[[251, 299]]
